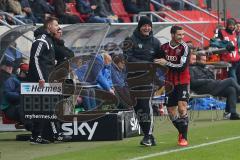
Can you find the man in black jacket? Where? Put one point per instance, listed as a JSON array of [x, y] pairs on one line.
[[143, 48], [62, 52], [42, 63], [42, 57], [203, 82]]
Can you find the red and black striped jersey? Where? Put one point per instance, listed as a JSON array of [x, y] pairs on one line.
[[178, 62]]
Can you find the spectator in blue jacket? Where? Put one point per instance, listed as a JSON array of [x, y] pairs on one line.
[[97, 75], [95, 72], [119, 80], [10, 93]]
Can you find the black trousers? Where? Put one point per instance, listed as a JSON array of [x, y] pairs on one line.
[[44, 128], [144, 114], [231, 95], [229, 89]]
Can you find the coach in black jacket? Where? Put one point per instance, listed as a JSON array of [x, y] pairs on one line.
[[143, 47], [42, 63], [42, 58]]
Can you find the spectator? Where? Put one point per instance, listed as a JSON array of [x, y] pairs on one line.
[[209, 4], [102, 8], [88, 95], [62, 12], [136, 6], [238, 42], [22, 76], [84, 7], [97, 75], [233, 57], [12, 54], [14, 6], [104, 79], [3, 8], [119, 80], [178, 4], [27, 10], [157, 7], [238, 35], [203, 82], [3, 5], [175, 4], [10, 93], [41, 10]]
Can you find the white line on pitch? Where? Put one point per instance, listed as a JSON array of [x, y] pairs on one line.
[[185, 148]]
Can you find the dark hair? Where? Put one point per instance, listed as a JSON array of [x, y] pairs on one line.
[[49, 20], [231, 21], [118, 58], [175, 28]]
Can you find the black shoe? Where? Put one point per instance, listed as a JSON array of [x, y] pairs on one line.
[[234, 116], [226, 115], [38, 140], [146, 141], [153, 140], [63, 138]]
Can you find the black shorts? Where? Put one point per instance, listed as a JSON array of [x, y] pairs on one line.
[[179, 93]]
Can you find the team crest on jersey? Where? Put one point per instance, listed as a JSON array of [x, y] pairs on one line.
[[184, 94], [140, 45], [178, 51]]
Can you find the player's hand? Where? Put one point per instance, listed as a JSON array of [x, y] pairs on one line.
[[161, 61], [41, 83]]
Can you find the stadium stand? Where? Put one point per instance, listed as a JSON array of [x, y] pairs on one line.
[[73, 10], [118, 9]]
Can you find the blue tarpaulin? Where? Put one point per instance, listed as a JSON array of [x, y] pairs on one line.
[[206, 104]]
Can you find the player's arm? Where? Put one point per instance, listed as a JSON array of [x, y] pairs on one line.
[[160, 57], [40, 46], [183, 60]]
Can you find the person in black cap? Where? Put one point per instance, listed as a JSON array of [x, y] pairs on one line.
[[144, 47]]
